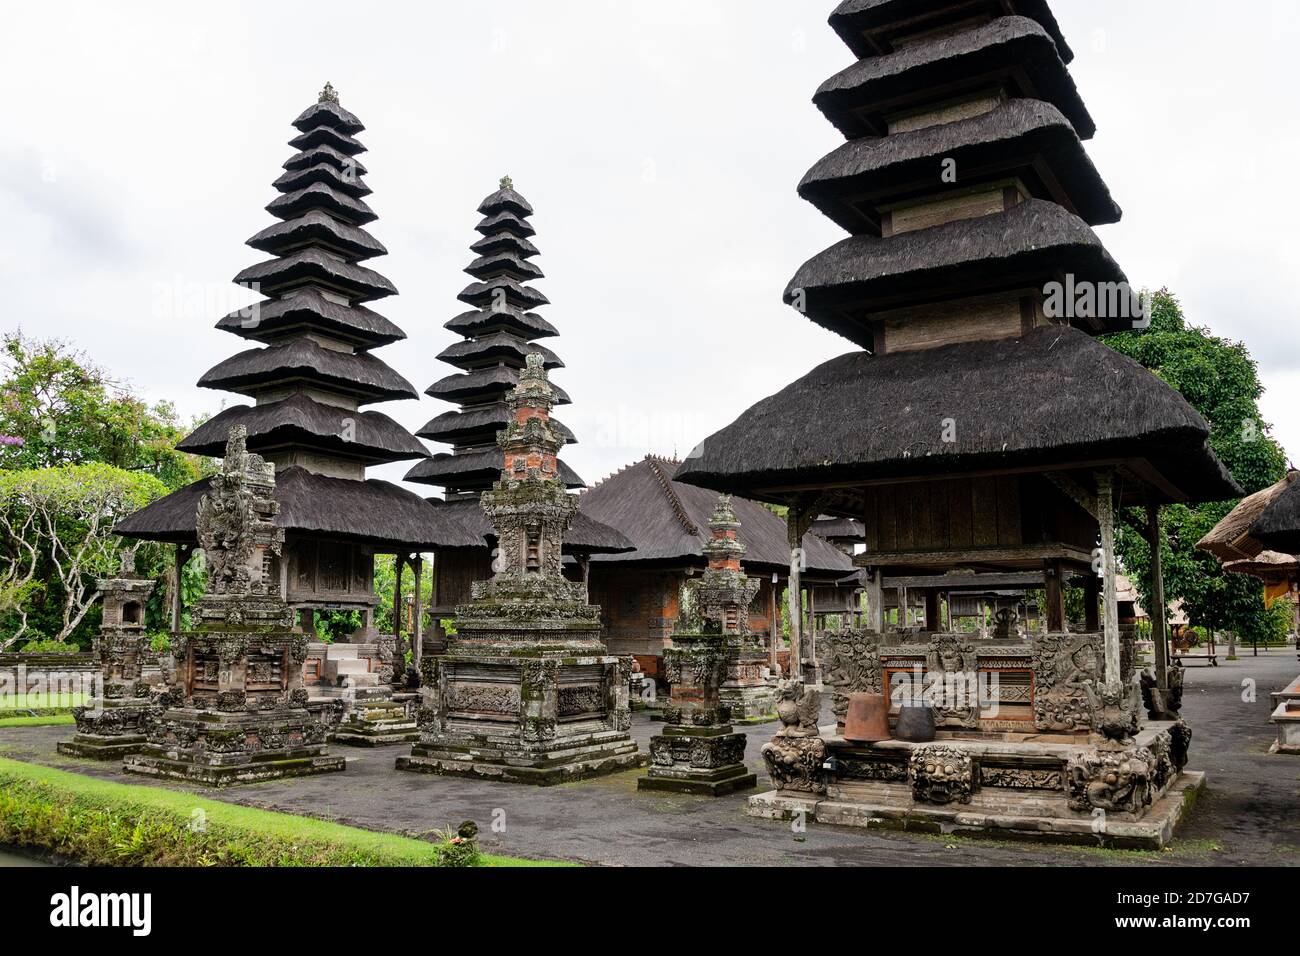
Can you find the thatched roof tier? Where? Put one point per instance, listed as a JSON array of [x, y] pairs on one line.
[[300, 422], [484, 385], [508, 223], [527, 325], [1013, 53], [586, 536], [322, 196], [504, 264], [506, 199], [325, 136], [1232, 538], [328, 113], [476, 470], [320, 230], [327, 174], [504, 242], [871, 27], [308, 311], [374, 512], [1055, 398], [303, 361], [314, 267], [668, 522], [474, 353], [1268, 566], [842, 529], [326, 154], [483, 295], [1028, 140], [478, 426], [1030, 245], [1278, 526]]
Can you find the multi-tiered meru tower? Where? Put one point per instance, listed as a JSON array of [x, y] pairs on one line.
[[312, 376], [527, 692], [982, 433], [499, 334]]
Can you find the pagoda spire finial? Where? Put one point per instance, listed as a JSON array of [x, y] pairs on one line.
[[329, 94], [507, 182]]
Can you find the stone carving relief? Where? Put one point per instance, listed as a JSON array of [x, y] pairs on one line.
[[942, 775]]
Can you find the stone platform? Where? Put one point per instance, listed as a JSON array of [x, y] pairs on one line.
[[88, 746], [1046, 788], [697, 761], [221, 750], [1287, 720]]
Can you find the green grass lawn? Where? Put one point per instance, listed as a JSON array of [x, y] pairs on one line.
[[55, 720], [41, 702], [100, 822]]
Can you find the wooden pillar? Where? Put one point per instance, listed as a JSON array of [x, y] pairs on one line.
[[812, 626], [932, 622], [399, 565], [1110, 614], [876, 601], [1092, 603], [902, 607], [1055, 598], [1159, 612], [183, 554], [774, 615], [417, 635], [584, 565]]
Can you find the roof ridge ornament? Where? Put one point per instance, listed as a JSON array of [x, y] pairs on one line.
[[329, 94], [507, 182]]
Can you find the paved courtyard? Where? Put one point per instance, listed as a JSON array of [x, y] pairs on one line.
[[1249, 817]]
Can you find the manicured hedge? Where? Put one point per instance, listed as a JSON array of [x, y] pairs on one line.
[[99, 822]]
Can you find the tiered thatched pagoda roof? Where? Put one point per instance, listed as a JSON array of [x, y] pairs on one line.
[[1263, 531], [498, 337], [668, 522], [314, 369], [970, 201]]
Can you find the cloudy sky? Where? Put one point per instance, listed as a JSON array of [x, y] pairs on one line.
[[660, 143]]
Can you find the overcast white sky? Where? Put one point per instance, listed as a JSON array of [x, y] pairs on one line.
[[661, 144]]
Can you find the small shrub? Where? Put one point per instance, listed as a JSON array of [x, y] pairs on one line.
[[48, 646]]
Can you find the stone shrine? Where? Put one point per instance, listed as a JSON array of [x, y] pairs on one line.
[[112, 724], [699, 752], [527, 692], [235, 710]]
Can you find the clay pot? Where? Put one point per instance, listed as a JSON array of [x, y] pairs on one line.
[[867, 721], [915, 725]]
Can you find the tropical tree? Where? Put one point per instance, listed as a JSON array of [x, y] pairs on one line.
[[59, 522], [59, 408], [1220, 379]]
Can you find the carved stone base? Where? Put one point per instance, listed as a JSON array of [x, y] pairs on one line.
[[378, 723], [750, 704], [533, 719], [1054, 788], [708, 762], [795, 764], [220, 749], [118, 729]]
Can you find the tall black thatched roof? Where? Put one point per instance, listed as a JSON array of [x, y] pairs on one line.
[[851, 184], [1014, 52], [1278, 527], [870, 27], [667, 521], [1054, 397], [499, 335], [374, 512], [859, 277]]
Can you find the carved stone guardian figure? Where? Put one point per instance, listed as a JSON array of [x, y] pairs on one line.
[[796, 755]]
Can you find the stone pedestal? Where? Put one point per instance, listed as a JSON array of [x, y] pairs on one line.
[[750, 696], [235, 709], [1287, 720], [370, 717], [238, 714], [527, 692], [698, 752], [115, 721]]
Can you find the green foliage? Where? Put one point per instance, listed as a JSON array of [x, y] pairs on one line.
[[101, 823], [56, 528], [59, 408], [385, 588], [1221, 381], [46, 646]]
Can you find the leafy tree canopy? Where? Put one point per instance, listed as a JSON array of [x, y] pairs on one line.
[[1220, 379], [59, 408]]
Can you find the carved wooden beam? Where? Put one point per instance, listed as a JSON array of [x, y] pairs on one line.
[[1084, 498]]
